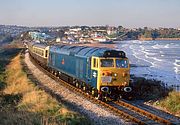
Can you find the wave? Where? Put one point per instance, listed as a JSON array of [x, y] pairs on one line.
[[177, 63], [147, 54], [166, 46], [162, 60], [177, 66], [156, 59], [177, 70], [157, 46], [143, 59], [137, 41], [177, 60]]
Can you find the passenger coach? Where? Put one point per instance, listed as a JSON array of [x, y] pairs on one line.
[[40, 52]]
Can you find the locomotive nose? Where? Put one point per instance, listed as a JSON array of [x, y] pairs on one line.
[[107, 73], [125, 74]]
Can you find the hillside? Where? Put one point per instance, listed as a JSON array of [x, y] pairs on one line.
[[5, 39]]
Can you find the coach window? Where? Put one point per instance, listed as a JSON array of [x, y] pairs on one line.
[[42, 53]]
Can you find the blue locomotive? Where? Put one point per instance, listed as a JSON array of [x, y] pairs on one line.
[[103, 72]]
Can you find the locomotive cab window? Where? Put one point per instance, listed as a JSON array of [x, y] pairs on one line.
[[107, 63], [121, 63]]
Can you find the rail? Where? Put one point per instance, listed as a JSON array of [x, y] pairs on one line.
[[143, 112]]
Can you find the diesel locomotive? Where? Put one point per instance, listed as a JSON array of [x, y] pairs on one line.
[[102, 72]]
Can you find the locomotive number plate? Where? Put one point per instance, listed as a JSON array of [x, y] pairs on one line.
[[106, 79]]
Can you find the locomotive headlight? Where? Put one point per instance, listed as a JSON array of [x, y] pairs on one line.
[[124, 74], [115, 74]]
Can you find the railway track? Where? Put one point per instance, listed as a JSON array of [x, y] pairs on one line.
[[121, 108], [165, 115], [144, 113]]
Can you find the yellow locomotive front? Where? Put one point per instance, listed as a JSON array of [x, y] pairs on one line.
[[113, 76]]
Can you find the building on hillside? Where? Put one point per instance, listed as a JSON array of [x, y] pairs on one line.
[[58, 39], [85, 39], [111, 30], [99, 39], [38, 36]]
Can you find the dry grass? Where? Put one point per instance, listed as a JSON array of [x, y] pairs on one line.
[[16, 80], [31, 102]]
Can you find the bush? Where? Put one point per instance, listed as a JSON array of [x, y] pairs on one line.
[[148, 89]]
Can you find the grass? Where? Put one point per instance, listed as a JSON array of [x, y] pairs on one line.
[[171, 103], [21, 102], [5, 56]]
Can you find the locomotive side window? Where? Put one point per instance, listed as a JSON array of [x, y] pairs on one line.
[[94, 63], [46, 53], [97, 63]]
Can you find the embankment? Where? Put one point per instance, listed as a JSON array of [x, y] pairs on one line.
[[22, 103]]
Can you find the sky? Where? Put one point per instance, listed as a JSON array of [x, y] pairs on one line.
[[127, 13]]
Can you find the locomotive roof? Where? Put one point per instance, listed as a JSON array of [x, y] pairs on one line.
[[40, 45], [85, 51]]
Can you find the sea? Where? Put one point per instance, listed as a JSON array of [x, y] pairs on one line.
[[159, 60]]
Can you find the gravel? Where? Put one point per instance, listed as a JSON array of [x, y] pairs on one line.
[[97, 114]]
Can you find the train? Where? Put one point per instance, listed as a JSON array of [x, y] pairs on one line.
[[102, 72]]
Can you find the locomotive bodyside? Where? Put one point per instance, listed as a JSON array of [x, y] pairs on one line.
[[68, 62], [102, 71]]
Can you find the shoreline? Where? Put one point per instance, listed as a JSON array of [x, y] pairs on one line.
[[156, 39]]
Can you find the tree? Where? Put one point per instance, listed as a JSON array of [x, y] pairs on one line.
[[155, 34]]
